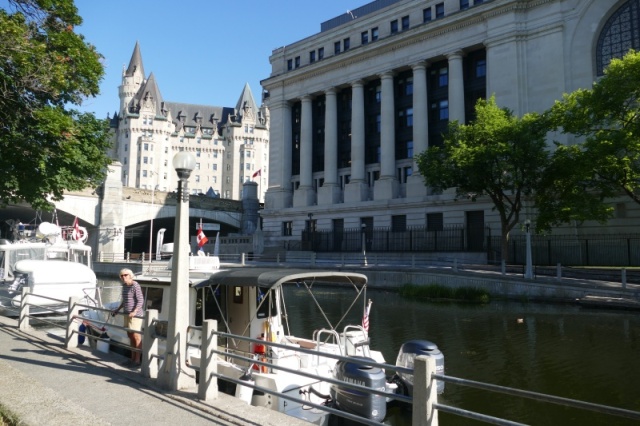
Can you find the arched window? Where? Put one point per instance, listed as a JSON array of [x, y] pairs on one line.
[[620, 34]]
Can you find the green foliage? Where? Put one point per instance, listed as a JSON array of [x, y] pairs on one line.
[[47, 148], [606, 159], [497, 155], [440, 292]]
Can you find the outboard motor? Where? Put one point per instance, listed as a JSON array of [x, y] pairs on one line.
[[363, 404], [406, 358]]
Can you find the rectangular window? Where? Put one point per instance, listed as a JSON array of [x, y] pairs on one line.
[[289, 64], [464, 4], [394, 26], [336, 47], [426, 15], [481, 68], [364, 37], [287, 229], [144, 173], [443, 77], [435, 222], [297, 62], [321, 53], [409, 113], [215, 167], [443, 108], [312, 56], [346, 44], [405, 23], [145, 160], [408, 88], [197, 166], [439, 10], [398, 223], [146, 147], [374, 34], [410, 149]]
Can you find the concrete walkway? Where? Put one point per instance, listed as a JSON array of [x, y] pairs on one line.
[[43, 383]]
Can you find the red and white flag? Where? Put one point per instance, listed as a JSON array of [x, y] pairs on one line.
[[365, 317], [256, 174], [76, 229], [202, 239]]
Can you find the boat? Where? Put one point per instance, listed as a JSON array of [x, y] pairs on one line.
[[250, 302], [608, 302], [50, 265]]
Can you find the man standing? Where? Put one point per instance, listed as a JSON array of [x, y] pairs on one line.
[[131, 305]]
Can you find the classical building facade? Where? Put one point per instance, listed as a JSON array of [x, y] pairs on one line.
[[351, 105], [231, 145]]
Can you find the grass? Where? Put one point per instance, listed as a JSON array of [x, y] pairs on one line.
[[7, 418], [440, 292]]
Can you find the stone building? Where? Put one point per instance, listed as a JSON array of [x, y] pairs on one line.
[[231, 145], [351, 105]]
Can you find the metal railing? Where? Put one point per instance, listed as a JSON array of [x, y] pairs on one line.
[[424, 403]]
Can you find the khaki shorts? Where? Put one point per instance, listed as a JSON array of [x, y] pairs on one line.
[[134, 323]]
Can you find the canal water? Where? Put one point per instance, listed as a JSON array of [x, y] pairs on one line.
[[563, 350]]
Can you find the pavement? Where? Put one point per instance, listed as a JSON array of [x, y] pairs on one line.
[[43, 383]]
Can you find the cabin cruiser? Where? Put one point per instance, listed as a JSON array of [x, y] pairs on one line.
[[50, 266], [250, 302]]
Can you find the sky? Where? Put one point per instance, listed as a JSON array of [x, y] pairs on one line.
[[200, 52]]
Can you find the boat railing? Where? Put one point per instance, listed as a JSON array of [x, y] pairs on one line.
[[354, 337]]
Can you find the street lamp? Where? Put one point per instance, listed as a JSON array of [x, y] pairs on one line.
[[173, 375], [364, 243], [528, 273], [153, 192]]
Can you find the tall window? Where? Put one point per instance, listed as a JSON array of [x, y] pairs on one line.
[[620, 33], [336, 47], [374, 34], [312, 56], [439, 10], [426, 15], [405, 23], [394, 26], [321, 53], [464, 4], [364, 37], [443, 77]]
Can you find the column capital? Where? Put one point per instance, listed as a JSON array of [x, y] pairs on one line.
[[358, 82], [420, 65], [330, 91], [305, 98], [386, 74], [456, 54]]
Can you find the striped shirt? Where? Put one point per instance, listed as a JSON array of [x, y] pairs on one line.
[[132, 299]]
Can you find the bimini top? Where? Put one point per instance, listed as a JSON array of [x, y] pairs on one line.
[[263, 277]]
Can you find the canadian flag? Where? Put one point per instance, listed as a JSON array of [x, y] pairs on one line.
[[76, 229], [202, 239], [258, 173]]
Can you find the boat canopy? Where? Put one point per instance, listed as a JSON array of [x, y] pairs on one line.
[[271, 278]]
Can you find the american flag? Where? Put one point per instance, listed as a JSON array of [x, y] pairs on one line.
[[365, 317]]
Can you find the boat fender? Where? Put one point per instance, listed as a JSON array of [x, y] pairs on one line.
[[81, 329]]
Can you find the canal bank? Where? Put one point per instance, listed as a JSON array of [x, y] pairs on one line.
[[394, 276]]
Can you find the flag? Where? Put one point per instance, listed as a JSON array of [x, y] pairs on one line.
[[202, 239], [76, 229], [258, 173], [365, 317]]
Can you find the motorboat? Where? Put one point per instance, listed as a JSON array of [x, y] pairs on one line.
[[250, 302], [50, 266]]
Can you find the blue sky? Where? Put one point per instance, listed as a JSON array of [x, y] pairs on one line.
[[201, 52]]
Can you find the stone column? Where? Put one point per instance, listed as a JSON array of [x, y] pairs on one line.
[[415, 182], [278, 196], [456, 87], [387, 186], [357, 189], [305, 195], [329, 193], [111, 228]]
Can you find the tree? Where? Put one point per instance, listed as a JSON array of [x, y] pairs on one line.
[[497, 155], [606, 161], [46, 68]]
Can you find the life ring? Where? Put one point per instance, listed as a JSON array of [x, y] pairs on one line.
[[80, 234]]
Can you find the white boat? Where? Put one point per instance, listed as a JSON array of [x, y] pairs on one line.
[[50, 266], [250, 302]]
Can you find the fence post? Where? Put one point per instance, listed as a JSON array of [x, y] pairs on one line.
[[278, 258], [455, 264], [149, 366], [208, 385], [624, 278], [71, 339], [242, 259], [413, 260], [313, 258], [128, 256], [559, 270], [503, 267], [425, 392], [23, 322]]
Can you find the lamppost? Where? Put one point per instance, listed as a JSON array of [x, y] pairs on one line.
[[310, 215], [153, 192], [173, 375], [528, 273], [364, 243]]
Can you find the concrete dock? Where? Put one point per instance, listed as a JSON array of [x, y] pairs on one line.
[[42, 383]]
